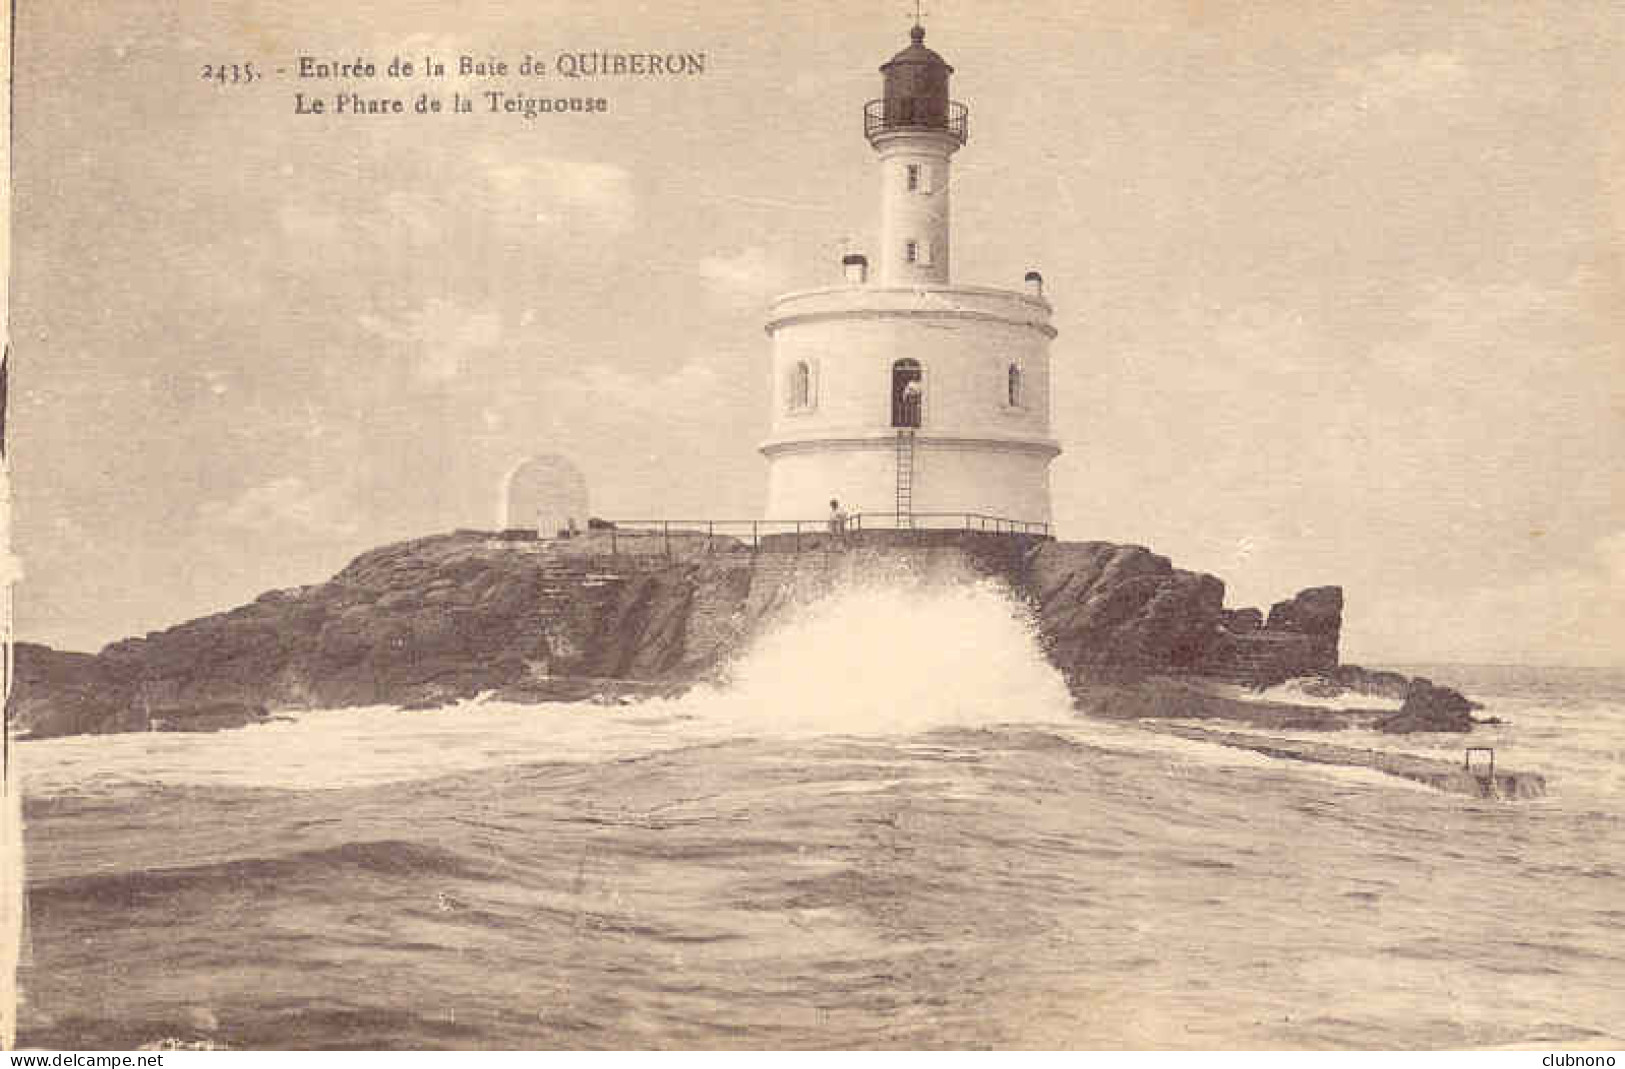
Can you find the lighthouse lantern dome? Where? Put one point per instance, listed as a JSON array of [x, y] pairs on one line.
[[916, 93]]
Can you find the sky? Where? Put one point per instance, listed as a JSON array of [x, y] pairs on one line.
[[1338, 284]]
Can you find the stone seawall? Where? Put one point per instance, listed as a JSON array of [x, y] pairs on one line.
[[1448, 776]]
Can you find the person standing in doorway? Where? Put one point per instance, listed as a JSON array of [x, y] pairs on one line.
[[837, 519], [912, 394]]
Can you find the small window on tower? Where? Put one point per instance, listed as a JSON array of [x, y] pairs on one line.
[[801, 386], [913, 177], [1013, 386], [911, 252]]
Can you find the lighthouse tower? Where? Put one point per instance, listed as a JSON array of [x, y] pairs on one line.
[[898, 392]]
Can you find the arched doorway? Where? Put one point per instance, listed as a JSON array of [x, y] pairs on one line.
[[907, 393]]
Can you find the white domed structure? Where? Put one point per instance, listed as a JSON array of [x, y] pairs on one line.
[[904, 394], [546, 494]]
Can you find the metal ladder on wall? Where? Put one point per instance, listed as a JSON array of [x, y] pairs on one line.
[[905, 478]]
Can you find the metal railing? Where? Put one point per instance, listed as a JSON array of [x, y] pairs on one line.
[[916, 113], [671, 538], [945, 521]]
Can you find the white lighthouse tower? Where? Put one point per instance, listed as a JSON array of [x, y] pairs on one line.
[[898, 392]]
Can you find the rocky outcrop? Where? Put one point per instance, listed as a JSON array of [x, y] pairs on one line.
[[422, 622], [76, 694], [1373, 683], [1109, 611], [1317, 615], [1299, 638], [59, 693], [1430, 708], [211, 716], [437, 619], [1241, 621]]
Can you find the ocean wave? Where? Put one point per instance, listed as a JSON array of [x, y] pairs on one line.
[[393, 858]]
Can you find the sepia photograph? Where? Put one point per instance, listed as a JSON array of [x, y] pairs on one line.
[[736, 526]]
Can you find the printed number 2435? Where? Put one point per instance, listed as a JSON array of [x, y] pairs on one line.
[[230, 73]]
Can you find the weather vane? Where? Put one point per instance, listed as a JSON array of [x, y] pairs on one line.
[[919, 13]]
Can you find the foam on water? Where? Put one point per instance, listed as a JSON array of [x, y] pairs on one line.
[[1302, 692], [331, 749], [1575, 739], [1061, 883], [884, 658], [893, 658]]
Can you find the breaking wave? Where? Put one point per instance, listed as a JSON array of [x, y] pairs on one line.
[[893, 658]]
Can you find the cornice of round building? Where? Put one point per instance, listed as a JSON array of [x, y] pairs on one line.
[[824, 441], [862, 301]]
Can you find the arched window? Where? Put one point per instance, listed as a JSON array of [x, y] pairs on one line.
[[801, 385], [1013, 386], [907, 395]]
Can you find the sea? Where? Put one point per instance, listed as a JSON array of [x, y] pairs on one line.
[[885, 827]]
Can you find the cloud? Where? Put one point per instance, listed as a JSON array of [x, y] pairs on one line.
[[310, 226], [565, 192], [1512, 344], [502, 199], [1265, 339], [749, 274], [438, 339], [1404, 78], [1564, 614], [286, 504], [693, 389], [1391, 87], [1611, 552]]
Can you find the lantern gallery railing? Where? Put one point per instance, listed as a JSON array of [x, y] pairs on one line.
[[916, 113], [685, 537]]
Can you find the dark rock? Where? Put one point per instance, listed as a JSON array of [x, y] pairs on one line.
[[437, 620], [1430, 708], [1372, 682], [1424, 696], [424, 623], [1299, 639], [1408, 723], [1321, 687], [1316, 613], [60, 693], [1109, 611], [1241, 621], [213, 716]]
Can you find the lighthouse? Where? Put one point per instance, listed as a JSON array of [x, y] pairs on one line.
[[909, 398], [897, 392]]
